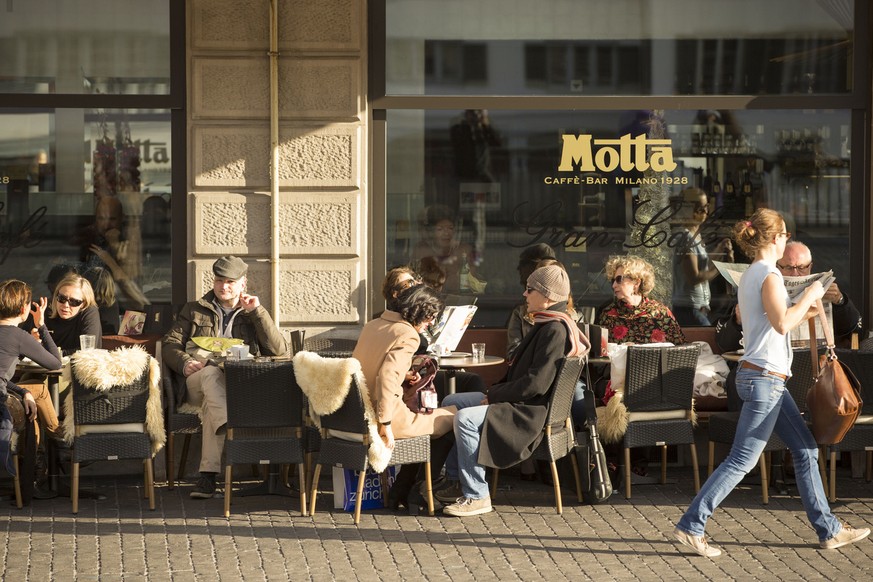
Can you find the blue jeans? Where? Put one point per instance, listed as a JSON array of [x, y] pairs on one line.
[[463, 464], [766, 406]]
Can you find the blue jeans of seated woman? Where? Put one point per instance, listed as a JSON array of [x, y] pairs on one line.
[[766, 406], [463, 462]]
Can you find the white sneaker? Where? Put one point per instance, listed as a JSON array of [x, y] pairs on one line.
[[846, 536], [697, 543], [465, 507]]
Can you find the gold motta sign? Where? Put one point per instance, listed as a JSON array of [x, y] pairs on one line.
[[583, 153]]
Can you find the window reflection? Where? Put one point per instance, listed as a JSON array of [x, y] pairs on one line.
[[782, 47], [108, 211], [471, 205]]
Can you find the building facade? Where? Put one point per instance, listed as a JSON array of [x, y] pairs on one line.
[[447, 134]]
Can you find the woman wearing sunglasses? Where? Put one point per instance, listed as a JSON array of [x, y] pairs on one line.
[[74, 313], [632, 317]]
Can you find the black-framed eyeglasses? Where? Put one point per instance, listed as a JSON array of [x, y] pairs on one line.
[[795, 268], [71, 301], [787, 235], [619, 279], [700, 208], [529, 290]]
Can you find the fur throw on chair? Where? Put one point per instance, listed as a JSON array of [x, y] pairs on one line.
[[101, 370], [326, 383]]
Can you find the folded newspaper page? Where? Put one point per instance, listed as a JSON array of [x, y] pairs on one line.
[[450, 326], [732, 272]]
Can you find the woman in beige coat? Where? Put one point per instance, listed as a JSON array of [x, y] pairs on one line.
[[385, 349]]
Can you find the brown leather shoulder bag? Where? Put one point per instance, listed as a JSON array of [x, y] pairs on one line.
[[834, 401]]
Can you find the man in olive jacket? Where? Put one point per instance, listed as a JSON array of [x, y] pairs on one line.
[[226, 311]]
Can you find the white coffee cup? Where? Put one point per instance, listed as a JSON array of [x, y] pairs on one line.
[[240, 352]]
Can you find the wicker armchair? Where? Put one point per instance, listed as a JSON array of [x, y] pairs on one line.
[[110, 423], [350, 450], [860, 436], [658, 395], [559, 437], [184, 423], [264, 424]]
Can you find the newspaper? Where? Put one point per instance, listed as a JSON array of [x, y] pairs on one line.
[[733, 272], [450, 326]]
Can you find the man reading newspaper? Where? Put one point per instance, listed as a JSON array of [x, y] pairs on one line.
[[796, 267]]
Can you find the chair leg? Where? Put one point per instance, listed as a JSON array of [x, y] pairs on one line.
[[312, 496], [307, 460], [184, 459], [361, 478], [695, 468], [576, 474], [833, 482], [228, 477], [17, 481], [150, 482], [869, 474], [74, 493], [627, 473], [496, 472], [286, 474], [663, 464], [559, 505], [765, 479], [711, 463], [429, 484], [170, 460], [302, 477], [821, 467]]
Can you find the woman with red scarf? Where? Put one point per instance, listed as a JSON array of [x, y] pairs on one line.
[[633, 317]]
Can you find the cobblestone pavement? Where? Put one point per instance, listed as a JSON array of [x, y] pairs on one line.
[[183, 539]]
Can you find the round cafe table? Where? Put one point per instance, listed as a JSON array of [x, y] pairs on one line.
[[452, 364]]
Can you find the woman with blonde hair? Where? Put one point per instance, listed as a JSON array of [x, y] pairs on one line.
[[633, 317], [74, 313], [768, 317]]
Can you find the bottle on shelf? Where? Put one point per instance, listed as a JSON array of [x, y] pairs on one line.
[[717, 192], [707, 184], [465, 274], [730, 188], [748, 198]]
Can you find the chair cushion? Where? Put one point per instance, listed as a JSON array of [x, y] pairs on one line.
[[658, 415], [83, 429]]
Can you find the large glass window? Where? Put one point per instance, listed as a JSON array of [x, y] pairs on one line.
[[468, 190], [87, 189], [591, 47], [117, 47], [86, 115]]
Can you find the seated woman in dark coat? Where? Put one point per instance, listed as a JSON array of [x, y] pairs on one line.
[[503, 428]]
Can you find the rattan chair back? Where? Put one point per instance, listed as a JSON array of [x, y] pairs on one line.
[[563, 389], [262, 395], [122, 403], [660, 378], [350, 416]]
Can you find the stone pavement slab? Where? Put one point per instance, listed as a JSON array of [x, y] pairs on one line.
[[523, 539]]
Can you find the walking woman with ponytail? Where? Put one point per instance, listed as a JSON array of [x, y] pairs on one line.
[[768, 315]]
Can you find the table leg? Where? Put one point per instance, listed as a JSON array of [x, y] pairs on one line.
[[450, 381]]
